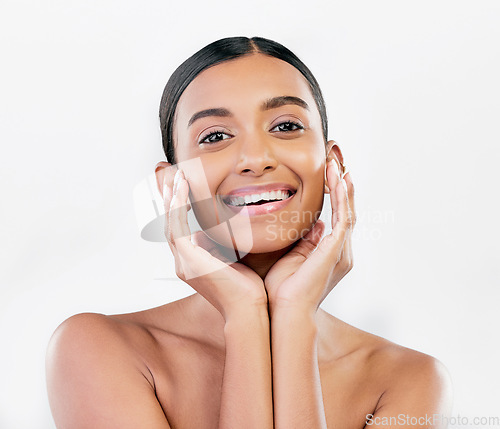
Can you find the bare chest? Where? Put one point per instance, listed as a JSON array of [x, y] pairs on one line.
[[188, 383]]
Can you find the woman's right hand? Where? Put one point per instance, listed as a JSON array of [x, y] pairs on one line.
[[229, 286]]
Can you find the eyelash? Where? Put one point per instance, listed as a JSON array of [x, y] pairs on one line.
[[213, 133]]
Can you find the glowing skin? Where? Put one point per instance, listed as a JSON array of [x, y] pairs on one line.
[[254, 146], [252, 348]]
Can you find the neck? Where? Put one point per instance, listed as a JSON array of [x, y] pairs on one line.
[[207, 319], [261, 263]]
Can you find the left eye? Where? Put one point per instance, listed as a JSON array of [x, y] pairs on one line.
[[288, 126]]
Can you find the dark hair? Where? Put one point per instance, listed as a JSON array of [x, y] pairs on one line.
[[218, 52]]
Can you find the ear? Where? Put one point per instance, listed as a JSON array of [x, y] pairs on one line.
[[164, 171], [332, 152]]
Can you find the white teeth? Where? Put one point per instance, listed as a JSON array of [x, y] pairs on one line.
[[254, 198]]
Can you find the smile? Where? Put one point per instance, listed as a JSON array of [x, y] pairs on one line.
[[258, 199]]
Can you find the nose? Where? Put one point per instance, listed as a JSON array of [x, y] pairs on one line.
[[255, 156]]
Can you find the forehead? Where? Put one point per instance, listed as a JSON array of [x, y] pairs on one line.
[[242, 83]]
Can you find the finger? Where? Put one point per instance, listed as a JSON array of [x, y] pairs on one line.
[[308, 244], [346, 254], [193, 261], [344, 213], [179, 231], [167, 199], [332, 244], [333, 177], [350, 193], [200, 239], [346, 261], [167, 192]]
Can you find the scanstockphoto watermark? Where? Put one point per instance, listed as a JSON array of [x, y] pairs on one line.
[[149, 207], [369, 224], [283, 225], [434, 420]]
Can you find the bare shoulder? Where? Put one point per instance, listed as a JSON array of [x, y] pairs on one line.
[[92, 332], [401, 364], [81, 334], [407, 365], [404, 366], [385, 357], [409, 384], [417, 389], [94, 373], [92, 338]]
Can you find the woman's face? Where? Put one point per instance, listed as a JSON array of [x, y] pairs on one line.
[[248, 137]]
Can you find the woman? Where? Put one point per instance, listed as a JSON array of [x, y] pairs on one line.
[[244, 126]]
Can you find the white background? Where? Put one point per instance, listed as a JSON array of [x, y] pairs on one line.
[[412, 91]]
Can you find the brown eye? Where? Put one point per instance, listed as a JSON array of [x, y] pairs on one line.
[[214, 137], [288, 126]]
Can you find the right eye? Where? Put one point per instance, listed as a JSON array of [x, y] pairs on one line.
[[214, 137]]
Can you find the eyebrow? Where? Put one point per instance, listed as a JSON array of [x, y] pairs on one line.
[[283, 100], [271, 103]]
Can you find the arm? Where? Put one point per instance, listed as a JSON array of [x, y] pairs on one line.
[[246, 400], [298, 399], [95, 382], [418, 394], [296, 286], [238, 293]]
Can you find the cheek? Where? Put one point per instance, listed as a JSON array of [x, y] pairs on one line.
[[308, 167], [308, 164], [312, 176], [315, 184], [308, 153], [314, 196]]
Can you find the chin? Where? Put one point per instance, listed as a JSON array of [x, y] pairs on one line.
[[257, 239], [256, 234], [272, 248]]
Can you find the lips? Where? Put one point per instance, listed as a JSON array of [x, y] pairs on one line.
[[260, 199]]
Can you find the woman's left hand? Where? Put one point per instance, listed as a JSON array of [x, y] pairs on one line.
[[303, 277]]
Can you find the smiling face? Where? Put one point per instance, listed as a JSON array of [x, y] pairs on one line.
[[253, 124]]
